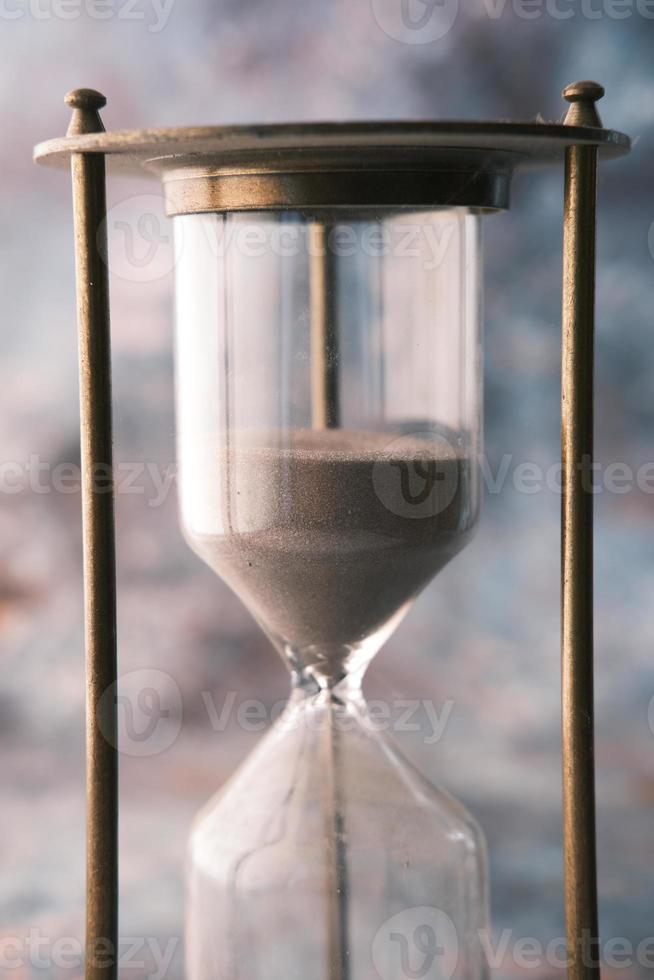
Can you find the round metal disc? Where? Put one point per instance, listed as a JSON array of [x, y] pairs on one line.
[[129, 151], [334, 165]]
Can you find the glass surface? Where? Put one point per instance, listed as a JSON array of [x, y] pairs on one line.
[[328, 379]]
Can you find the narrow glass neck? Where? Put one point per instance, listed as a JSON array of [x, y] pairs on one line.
[[337, 677]]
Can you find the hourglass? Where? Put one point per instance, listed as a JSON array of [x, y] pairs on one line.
[[328, 365]]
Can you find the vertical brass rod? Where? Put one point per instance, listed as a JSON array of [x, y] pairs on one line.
[[325, 414], [338, 932], [89, 208], [579, 844], [325, 409]]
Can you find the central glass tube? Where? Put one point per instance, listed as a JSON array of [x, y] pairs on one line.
[[328, 379]]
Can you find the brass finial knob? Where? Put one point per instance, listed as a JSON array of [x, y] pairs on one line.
[[85, 103], [583, 92], [85, 98], [582, 97]]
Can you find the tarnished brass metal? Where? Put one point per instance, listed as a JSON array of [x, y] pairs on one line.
[[324, 336], [331, 165], [88, 173], [337, 884], [128, 151], [346, 178], [577, 544]]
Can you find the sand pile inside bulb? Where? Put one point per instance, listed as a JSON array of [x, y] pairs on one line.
[[329, 536]]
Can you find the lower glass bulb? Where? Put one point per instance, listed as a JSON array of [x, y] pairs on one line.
[[329, 857]]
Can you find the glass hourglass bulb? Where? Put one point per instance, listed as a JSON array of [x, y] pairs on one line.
[[328, 427]]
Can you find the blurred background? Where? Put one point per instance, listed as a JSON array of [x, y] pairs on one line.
[[482, 643]]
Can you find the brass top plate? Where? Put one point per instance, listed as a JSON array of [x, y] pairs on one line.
[[327, 166], [130, 151]]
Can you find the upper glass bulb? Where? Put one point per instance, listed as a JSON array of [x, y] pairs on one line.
[[328, 413]]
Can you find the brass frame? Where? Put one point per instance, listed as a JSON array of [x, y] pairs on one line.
[[325, 167], [577, 369], [89, 208]]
